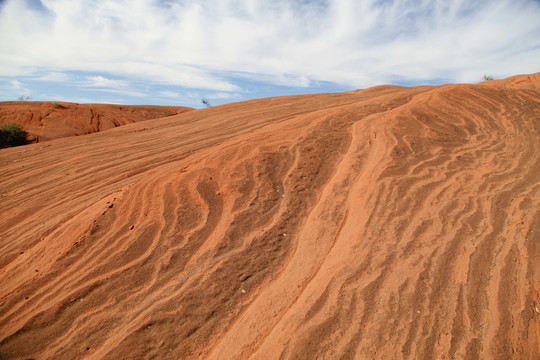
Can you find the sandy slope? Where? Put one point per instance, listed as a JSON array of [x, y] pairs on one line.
[[387, 223], [44, 120]]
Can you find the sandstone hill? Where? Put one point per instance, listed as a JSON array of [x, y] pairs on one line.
[[385, 223], [44, 120]]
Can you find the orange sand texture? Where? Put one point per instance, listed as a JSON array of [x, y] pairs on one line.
[[386, 223]]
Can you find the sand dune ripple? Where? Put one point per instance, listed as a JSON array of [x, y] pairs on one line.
[[386, 223]]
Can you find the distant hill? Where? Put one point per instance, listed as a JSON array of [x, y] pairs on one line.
[[45, 120]]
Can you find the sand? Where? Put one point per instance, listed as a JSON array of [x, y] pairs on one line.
[[385, 223], [47, 120]]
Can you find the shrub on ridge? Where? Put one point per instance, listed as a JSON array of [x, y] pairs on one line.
[[12, 135]]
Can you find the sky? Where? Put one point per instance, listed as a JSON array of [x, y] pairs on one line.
[[178, 52]]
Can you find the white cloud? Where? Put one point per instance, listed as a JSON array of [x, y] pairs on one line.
[[168, 93], [15, 84], [223, 95], [205, 44], [53, 77], [100, 81], [123, 92], [12, 89], [194, 95]]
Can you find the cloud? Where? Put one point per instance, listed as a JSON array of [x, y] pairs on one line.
[[168, 93], [222, 95], [215, 44], [103, 84], [194, 95], [12, 89], [15, 84], [100, 81], [123, 92], [53, 77]]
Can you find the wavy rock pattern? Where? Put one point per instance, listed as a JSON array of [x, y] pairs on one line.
[[387, 223]]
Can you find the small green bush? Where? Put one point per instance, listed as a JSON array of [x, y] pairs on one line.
[[24, 98], [12, 135], [58, 105]]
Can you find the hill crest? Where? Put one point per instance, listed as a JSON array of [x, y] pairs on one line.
[[382, 223]]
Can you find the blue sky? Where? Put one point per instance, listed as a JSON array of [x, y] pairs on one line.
[[177, 52]]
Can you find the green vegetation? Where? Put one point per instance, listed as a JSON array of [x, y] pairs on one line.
[[206, 103], [487, 77], [58, 105], [12, 135], [24, 98]]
